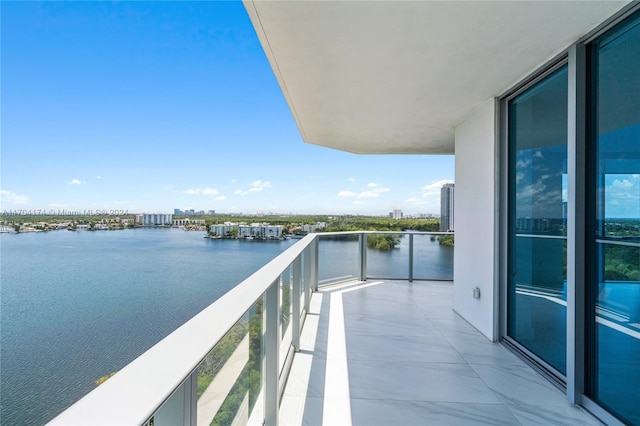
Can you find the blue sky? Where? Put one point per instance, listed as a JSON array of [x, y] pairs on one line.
[[151, 106]]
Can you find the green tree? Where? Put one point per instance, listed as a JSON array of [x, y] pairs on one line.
[[383, 242], [446, 240]]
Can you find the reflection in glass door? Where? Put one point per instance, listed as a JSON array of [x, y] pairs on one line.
[[537, 145], [613, 354]]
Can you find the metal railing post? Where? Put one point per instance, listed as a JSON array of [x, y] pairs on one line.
[[363, 256], [410, 257], [314, 263], [271, 343], [297, 311], [306, 274], [191, 400]]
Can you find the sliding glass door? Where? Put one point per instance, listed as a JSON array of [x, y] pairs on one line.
[[603, 348], [613, 353], [536, 287]]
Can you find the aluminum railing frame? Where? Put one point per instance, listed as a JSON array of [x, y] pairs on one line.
[[142, 388]]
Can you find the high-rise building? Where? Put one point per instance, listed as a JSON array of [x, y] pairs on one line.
[[446, 207]]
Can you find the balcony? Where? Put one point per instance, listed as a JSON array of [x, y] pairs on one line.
[[327, 333]]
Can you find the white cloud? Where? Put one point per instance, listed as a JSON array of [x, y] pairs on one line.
[[622, 196], [373, 194], [98, 177], [351, 180], [368, 194], [434, 188], [12, 198], [220, 198], [429, 200], [625, 183], [260, 184], [202, 191], [255, 186], [76, 182]]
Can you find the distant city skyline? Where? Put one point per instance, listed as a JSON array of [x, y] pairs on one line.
[[152, 106]]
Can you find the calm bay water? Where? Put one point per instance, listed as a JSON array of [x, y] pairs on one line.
[[75, 306]]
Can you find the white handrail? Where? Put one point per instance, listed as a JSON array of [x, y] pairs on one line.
[[322, 234], [135, 392]]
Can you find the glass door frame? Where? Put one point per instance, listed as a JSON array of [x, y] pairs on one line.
[[580, 205], [505, 242]]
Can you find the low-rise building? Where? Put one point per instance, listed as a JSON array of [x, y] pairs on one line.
[[313, 228], [154, 219], [6, 229], [242, 230], [188, 222], [260, 230], [223, 230]]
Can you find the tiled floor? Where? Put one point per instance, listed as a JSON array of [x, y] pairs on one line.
[[395, 353]]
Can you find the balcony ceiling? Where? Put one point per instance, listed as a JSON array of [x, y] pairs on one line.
[[396, 77]]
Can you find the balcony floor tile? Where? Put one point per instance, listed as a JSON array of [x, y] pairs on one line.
[[425, 381], [372, 412], [395, 353]]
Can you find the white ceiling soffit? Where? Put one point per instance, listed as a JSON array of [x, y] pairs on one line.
[[395, 77]]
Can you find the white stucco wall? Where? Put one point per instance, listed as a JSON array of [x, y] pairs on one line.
[[475, 210]]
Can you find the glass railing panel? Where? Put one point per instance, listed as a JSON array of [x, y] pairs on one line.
[[619, 292], [338, 258], [301, 280], [618, 325], [230, 377], [172, 411], [286, 291], [388, 256], [433, 257]]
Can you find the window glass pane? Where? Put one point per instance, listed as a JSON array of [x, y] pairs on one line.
[[286, 306], [537, 219], [614, 354]]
